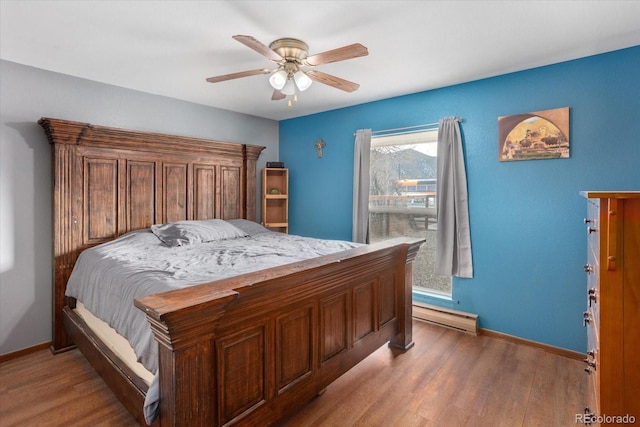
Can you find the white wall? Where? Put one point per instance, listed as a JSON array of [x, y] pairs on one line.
[[27, 94]]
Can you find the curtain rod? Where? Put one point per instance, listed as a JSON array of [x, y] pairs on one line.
[[409, 128], [426, 125]]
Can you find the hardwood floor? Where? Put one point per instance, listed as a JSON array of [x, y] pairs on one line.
[[447, 379]]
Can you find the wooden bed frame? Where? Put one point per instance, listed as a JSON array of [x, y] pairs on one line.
[[252, 348]]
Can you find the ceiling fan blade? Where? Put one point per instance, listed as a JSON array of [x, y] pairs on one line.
[[330, 80], [238, 75], [277, 95], [340, 54], [259, 47]]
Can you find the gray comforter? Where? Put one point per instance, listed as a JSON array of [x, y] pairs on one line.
[[108, 277]]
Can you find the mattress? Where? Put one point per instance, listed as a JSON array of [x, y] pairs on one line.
[[115, 342]]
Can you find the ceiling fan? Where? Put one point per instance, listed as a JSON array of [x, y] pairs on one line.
[[294, 71]]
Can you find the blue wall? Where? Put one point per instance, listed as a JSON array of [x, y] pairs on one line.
[[528, 240]]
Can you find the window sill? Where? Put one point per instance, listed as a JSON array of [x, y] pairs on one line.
[[436, 298]]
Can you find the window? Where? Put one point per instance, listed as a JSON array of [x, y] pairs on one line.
[[402, 199]]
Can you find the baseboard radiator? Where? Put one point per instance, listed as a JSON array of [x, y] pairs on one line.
[[458, 320]]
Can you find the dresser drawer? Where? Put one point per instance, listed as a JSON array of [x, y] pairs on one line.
[[592, 369], [593, 344], [593, 398], [592, 222], [592, 271], [593, 298], [593, 328]]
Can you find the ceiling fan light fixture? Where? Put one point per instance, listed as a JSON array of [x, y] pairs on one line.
[[302, 80], [278, 79], [291, 55], [289, 87]]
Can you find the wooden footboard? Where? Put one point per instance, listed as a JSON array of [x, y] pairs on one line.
[[257, 346]]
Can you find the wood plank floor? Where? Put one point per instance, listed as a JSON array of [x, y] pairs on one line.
[[447, 379]]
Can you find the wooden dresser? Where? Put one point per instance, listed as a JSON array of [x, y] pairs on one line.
[[612, 317]]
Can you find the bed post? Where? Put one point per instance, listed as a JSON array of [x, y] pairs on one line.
[[63, 140], [251, 154], [404, 339], [186, 349]]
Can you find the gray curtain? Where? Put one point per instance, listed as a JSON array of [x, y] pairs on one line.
[[453, 247], [361, 158]]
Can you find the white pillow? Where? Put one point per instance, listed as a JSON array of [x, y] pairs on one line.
[[250, 227], [181, 233]]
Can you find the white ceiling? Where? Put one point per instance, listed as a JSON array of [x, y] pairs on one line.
[[169, 48]]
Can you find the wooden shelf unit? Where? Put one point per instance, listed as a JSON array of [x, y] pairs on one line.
[[275, 199]]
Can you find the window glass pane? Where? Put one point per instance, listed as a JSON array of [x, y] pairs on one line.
[[402, 199]]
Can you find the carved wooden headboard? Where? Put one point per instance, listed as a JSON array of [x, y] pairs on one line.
[[110, 181]]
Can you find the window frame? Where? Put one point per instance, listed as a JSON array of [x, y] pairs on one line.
[[413, 138]]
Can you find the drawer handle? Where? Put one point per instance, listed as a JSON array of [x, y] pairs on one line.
[[591, 364], [591, 296], [591, 230], [588, 221], [588, 268], [585, 318]]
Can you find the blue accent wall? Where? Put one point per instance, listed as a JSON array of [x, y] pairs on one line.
[[527, 235]]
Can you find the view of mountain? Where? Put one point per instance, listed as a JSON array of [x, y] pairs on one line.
[[391, 165]]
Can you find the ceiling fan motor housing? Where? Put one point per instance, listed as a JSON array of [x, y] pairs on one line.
[[291, 49]]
